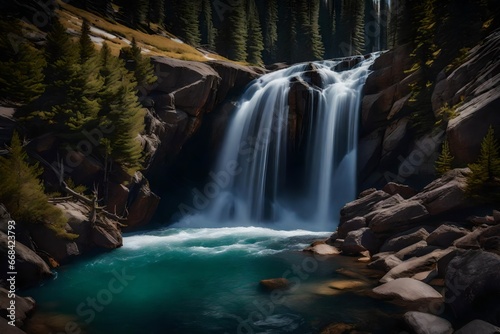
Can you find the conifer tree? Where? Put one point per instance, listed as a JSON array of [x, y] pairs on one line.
[[270, 32], [21, 68], [141, 67], [233, 35], [156, 11], [23, 193], [120, 108], [287, 31], [207, 30], [484, 180], [183, 20], [87, 49], [255, 43], [444, 163]]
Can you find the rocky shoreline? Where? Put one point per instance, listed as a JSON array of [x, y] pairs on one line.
[[429, 260]]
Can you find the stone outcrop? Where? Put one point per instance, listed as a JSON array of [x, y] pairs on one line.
[[472, 90], [24, 307]]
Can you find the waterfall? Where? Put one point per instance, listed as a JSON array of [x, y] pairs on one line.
[[256, 150]]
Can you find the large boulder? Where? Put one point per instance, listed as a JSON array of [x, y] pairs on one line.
[[446, 193], [403, 190], [399, 217], [415, 265], [30, 267], [362, 206], [49, 242], [360, 241], [351, 225], [410, 251], [106, 234], [445, 235], [404, 239], [408, 290], [473, 286], [385, 263], [185, 79], [425, 323]]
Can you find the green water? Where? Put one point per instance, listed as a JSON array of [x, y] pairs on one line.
[[193, 281]]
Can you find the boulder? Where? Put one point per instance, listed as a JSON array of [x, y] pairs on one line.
[[426, 276], [367, 192], [30, 268], [106, 234], [275, 283], [398, 218], [359, 241], [446, 193], [425, 323], [407, 290], [473, 286], [414, 266], [403, 190], [496, 216], [351, 225], [24, 306], [478, 326], [362, 206], [445, 235], [404, 239], [471, 239], [323, 249], [385, 263], [409, 251]]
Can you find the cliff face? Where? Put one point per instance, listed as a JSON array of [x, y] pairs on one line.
[[466, 98]]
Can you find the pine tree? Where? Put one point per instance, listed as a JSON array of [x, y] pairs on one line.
[[23, 193], [156, 11], [287, 31], [233, 35], [484, 180], [87, 49], [328, 27], [207, 30], [135, 12], [444, 163], [270, 33], [121, 110], [183, 21], [21, 68], [308, 36], [141, 67], [255, 44]]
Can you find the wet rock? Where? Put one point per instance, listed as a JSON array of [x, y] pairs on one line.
[[323, 249], [275, 283]]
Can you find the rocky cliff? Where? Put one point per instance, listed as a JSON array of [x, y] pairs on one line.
[[465, 98]]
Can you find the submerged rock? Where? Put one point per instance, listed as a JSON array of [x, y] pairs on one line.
[[275, 283]]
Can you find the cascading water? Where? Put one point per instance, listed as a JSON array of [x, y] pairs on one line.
[[256, 148]]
